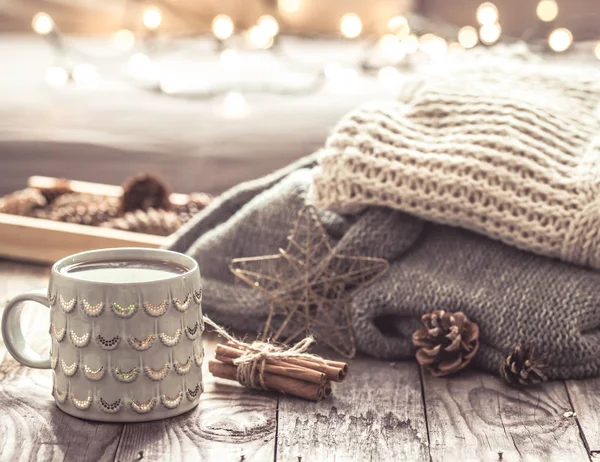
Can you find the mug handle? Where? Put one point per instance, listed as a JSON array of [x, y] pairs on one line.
[[12, 334]]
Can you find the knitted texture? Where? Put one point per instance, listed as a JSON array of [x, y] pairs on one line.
[[507, 149], [515, 297]]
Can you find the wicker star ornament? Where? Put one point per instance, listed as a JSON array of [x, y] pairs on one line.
[[309, 285]]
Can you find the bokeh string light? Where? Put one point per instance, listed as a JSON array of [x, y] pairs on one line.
[[384, 55]]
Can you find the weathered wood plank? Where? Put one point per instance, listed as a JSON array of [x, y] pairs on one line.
[[375, 414], [585, 397], [31, 426], [473, 416], [229, 424]]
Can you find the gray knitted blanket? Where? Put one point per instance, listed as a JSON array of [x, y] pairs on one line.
[[514, 296]]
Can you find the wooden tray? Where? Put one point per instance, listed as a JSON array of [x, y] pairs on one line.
[[47, 241]]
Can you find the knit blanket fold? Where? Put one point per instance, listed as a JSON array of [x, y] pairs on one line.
[[514, 296], [510, 150]]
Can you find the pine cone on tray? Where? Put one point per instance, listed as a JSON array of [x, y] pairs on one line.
[[144, 191], [447, 343], [522, 367], [152, 221], [23, 202], [62, 186], [84, 209], [197, 202]]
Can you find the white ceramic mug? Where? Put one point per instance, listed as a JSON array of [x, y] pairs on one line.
[[121, 351]]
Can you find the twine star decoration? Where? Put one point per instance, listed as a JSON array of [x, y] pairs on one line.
[[309, 285]]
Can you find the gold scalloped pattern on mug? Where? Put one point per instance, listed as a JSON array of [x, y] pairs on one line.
[[124, 311], [92, 310], [92, 374], [69, 371], [51, 299], [143, 408], [192, 332], [171, 403], [67, 307], [108, 344], [170, 340], [79, 341], [110, 408], [197, 294], [157, 374], [82, 404], [141, 345], [126, 377], [182, 306], [193, 395], [59, 335], [61, 396], [198, 358], [182, 368], [156, 310]]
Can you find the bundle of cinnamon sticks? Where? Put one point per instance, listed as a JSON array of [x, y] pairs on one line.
[[307, 377]]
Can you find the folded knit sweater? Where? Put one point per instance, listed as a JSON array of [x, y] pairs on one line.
[[505, 148], [514, 296]]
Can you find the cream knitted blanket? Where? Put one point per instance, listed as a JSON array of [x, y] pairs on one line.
[[508, 149]]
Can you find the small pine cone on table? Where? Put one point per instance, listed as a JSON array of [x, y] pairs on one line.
[[447, 343], [84, 209], [197, 202], [61, 186], [23, 202], [522, 367], [144, 191], [152, 221]]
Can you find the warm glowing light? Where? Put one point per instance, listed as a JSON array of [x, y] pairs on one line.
[[392, 47], [269, 24], [490, 33], [467, 37], [234, 105], [399, 25], [389, 76], [411, 44], [259, 37], [597, 50], [433, 46], [42, 23], [140, 66], [547, 10], [350, 25], [57, 76], [85, 74], [289, 6], [487, 14], [152, 18], [124, 39], [560, 39], [222, 26]]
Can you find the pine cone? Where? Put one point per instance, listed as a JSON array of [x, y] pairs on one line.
[[522, 367], [22, 202], [152, 221], [84, 209], [144, 191], [62, 187], [447, 343], [197, 202]]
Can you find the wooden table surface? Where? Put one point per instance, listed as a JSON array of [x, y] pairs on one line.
[[383, 411]]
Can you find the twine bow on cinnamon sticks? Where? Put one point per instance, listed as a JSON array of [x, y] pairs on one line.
[[265, 366]]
